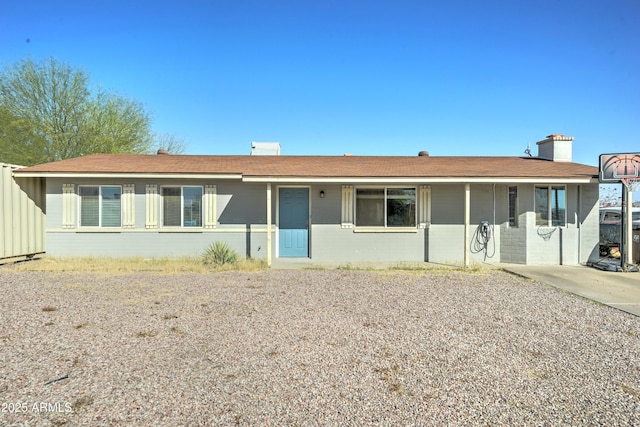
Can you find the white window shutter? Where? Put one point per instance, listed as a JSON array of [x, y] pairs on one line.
[[69, 206], [129, 206], [152, 206], [425, 206], [347, 206], [210, 206]]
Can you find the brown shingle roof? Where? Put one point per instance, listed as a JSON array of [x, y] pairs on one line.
[[319, 166]]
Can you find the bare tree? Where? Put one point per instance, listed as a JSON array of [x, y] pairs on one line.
[[171, 143]]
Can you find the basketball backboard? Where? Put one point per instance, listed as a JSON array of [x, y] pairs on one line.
[[616, 167]]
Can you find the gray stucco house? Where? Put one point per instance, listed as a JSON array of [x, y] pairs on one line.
[[529, 210]]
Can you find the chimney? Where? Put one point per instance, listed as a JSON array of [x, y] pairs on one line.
[[555, 147]]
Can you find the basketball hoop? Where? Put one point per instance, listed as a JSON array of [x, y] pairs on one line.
[[546, 232], [620, 167], [632, 184]]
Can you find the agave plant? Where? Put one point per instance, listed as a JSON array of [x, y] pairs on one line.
[[219, 253]]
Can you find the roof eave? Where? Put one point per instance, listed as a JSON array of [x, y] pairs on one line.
[[128, 175], [422, 180], [311, 179]]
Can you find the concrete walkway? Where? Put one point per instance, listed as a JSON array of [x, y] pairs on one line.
[[619, 290]]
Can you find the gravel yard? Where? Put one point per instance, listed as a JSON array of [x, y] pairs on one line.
[[311, 347]]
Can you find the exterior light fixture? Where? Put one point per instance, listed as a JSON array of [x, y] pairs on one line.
[[322, 194]]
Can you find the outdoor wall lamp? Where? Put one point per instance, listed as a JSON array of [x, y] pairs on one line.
[[322, 194]]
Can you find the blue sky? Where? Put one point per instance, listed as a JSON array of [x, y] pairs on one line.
[[368, 78]]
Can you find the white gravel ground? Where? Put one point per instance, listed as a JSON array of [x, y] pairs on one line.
[[311, 347]]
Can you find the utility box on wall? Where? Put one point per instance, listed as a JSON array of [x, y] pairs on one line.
[[22, 215]]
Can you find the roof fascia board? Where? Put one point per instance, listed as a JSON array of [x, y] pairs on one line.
[[9, 165], [125, 175], [291, 180], [488, 180]]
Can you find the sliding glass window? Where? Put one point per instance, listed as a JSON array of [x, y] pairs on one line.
[[100, 206], [385, 207], [182, 206]]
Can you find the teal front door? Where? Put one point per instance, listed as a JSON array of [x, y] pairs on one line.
[[294, 222]]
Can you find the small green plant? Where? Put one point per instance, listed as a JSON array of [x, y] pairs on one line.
[[348, 266], [80, 403], [219, 253]]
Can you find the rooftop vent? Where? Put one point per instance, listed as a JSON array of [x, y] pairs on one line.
[[265, 148], [423, 154], [162, 151]]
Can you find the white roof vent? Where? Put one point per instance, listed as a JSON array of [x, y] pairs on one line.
[[265, 148]]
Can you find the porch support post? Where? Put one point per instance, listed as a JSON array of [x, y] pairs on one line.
[[467, 215], [269, 224], [628, 222]]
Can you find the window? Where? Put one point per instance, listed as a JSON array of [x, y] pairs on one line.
[[182, 206], [100, 206], [616, 216], [513, 206], [611, 216], [370, 207], [386, 207], [551, 206]]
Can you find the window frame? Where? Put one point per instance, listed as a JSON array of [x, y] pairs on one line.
[[100, 206], [512, 222], [611, 216], [550, 220], [385, 226], [182, 226]]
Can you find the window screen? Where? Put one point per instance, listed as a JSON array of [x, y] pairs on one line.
[[513, 206], [192, 211], [89, 206], [370, 207], [111, 206], [171, 205]]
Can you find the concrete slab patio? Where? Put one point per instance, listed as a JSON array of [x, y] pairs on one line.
[[619, 290]]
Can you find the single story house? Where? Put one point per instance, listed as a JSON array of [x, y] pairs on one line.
[[530, 210]]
